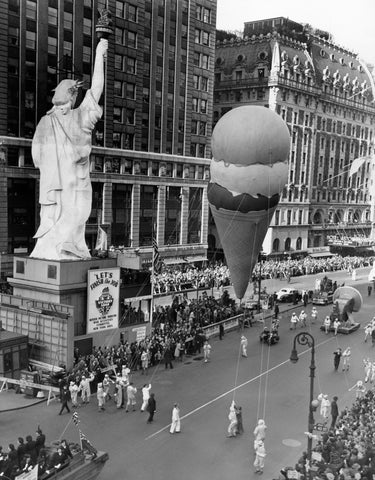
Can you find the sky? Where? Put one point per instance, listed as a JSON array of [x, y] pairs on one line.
[[352, 24]]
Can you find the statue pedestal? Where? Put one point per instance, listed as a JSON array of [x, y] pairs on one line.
[[49, 303]]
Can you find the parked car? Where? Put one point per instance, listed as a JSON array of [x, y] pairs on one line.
[[288, 295], [322, 298]]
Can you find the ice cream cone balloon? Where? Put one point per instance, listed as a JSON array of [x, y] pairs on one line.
[[250, 147]]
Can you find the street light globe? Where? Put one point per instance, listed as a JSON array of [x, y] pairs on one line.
[[315, 404]]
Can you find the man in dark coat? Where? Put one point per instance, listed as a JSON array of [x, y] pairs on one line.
[[334, 412], [168, 356], [21, 450], [336, 358], [40, 440], [31, 449], [151, 407], [64, 398]]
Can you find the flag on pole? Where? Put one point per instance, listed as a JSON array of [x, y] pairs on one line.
[[101, 240], [157, 262], [86, 445], [357, 164], [75, 419]]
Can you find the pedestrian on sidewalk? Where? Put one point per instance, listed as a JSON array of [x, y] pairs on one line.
[[244, 344], [145, 396], [176, 422], [151, 407], [221, 330], [64, 398]]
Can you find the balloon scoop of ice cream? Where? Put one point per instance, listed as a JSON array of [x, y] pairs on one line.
[[250, 147]]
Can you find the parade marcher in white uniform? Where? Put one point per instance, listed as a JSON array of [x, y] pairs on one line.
[[244, 343], [100, 395], [293, 321], [314, 315], [145, 396], [302, 319], [327, 324], [85, 388], [368, 331], [232, 428], [346, 355], [324, 405], [120, 385], [368, 369], [74, 389], [176, 422], [259, 432], [360, 389], [336, 325], [107, 382], [206, 351], [260, 453], [131, 391]]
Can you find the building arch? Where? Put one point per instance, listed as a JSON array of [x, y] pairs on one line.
[[276, 245], [287, 244], [318, 217], [299, 243]]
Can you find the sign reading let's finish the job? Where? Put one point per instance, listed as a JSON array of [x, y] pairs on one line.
[[103, 292]]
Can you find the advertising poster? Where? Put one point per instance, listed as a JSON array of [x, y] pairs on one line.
[[103, 296]]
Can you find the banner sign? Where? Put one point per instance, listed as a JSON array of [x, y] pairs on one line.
[[103, 296]]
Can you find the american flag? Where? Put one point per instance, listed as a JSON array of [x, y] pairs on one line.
[[86, 445], [75, 419], [157, 261]]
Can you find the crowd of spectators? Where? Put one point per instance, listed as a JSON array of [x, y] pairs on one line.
[[180, 278], [347, 451], [185, 277], [309, 266], [178, 329]]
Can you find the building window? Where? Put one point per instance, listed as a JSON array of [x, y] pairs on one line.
[[130, 116], [52, 16], [116, 140], [86, 54], [120, 36], [195, 215], [196, 82], [132, 39], [205, 61], [131, 65], [132, 13], [20, 266], [31, 40], [203, 106], [117, 114], [52, 45], [202, 128], [87, 26], [31, 9], [204, 84], [13, 36], [68, 21], [118, 88], [120, 9], [119, 61], [129, 141]]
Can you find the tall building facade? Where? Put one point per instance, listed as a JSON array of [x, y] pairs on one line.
[[151, 149], [325, 94]]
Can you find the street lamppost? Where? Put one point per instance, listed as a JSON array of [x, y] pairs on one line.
[[305, 338]]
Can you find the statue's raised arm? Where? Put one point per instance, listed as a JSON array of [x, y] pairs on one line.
[[61, 147]]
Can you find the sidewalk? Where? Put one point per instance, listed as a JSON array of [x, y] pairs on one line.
[[10, 400]]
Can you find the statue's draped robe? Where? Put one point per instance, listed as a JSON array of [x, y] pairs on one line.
[[60, 149]]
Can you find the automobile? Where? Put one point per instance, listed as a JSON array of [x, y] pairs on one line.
[[288, 295], [322, 298]]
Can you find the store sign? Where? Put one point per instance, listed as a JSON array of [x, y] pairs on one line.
[[140, 333], [103, 295]]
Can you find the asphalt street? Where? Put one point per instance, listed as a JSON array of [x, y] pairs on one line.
[[266, 384]]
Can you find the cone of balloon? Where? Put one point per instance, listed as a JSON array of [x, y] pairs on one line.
[[250, 147]]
